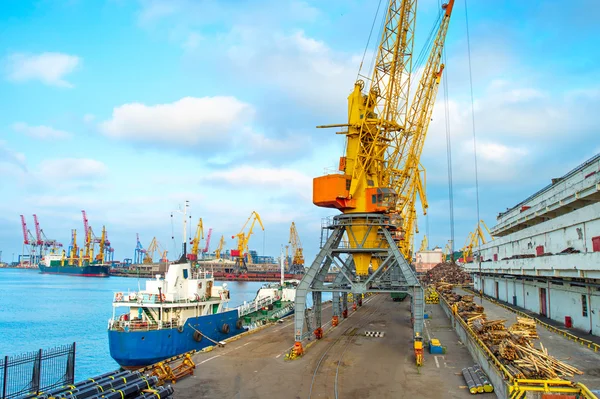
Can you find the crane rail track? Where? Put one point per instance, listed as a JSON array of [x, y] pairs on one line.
[[348, 334]]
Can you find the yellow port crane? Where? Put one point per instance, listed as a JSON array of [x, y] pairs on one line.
[[152, 248], [424, 244], [193, 255], [380, 179], [242, 244], [476, 238], [220, 248], [297, 265]]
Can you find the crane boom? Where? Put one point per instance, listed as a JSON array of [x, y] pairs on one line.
[[24, 227], [38, 233], [193, 255], [407, 176], [205, 250]]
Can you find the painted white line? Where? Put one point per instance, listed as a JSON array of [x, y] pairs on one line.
[[436, 362], [247, 343], [210, 358], [427, 331], [277, 357]]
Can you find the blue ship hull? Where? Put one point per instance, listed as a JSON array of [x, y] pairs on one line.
[[133, 349], [83, 271]]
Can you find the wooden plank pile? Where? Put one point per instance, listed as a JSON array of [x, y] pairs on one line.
[[514, 345], [446, 272]]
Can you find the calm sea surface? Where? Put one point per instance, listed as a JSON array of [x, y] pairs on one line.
[[41, 311]]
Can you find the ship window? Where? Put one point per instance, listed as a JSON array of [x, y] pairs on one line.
[[584, 305], [185, 273], [143, 338]]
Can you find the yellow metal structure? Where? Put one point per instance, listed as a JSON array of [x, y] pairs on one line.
[[243, 238], [297, 255], [101, 246], [193, 255], [74, 249], [384, 138], [152, 248], [220, 248], [474, 239], [424, 244]]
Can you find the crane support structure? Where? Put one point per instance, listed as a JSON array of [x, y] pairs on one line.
[[379, 182]]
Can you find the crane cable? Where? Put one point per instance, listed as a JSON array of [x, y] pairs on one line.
[[474, 143], [448, 153]]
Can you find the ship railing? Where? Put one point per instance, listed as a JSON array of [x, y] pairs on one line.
[[140, 325], [135, 298], [255, 306]]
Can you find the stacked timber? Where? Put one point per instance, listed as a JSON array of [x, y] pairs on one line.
[[448, 273], [513, 346]]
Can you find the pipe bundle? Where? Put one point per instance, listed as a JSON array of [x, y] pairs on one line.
[[476, 380], [113, 385]]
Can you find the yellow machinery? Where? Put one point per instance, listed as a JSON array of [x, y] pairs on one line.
[[193, 255], [220, 248], [243, 238], [297, 255], [380, 176]]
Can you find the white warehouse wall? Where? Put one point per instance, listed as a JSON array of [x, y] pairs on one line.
[[561, 300]]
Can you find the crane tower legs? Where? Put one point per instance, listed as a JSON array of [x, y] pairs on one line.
[[392, 274]]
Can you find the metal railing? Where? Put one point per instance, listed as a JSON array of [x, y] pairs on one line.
[[31, 373], [520, 388], [256, 305], [584, 342], [139, 325]]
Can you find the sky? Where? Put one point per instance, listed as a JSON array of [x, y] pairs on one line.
[[128, 108]]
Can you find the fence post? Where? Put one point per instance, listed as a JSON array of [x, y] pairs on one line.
[[70, 374], [5, 377]]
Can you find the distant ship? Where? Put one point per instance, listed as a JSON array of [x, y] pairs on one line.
[[181, 312], [58, 264]]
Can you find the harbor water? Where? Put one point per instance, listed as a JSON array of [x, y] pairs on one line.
[[41, 311]]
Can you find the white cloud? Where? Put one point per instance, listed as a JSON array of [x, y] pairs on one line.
[[72, 168], [189, 121], [89, 118], [49, 68], [193, 41], [264, 177], [12, 157], [40, 132]]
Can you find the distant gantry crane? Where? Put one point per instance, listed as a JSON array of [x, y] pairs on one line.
[[474, 239], [241, 253], [297, 265]]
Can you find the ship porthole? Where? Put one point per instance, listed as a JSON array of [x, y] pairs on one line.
[[169, 336], [143, 338]]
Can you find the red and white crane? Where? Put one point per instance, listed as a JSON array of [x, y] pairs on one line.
[[205, 250]]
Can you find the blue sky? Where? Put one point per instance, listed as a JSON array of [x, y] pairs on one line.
[[126, 108]]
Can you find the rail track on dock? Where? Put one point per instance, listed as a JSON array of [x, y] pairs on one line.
[[326, 370]]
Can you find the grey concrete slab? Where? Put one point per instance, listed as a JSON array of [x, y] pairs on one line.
[[369, 367]]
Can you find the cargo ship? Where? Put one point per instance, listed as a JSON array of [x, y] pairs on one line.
[[58, 264], [181, 312]]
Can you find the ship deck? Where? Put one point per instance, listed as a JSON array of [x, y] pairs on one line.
[[254, 366]]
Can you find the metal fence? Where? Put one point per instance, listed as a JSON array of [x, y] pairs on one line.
[[34, 372]]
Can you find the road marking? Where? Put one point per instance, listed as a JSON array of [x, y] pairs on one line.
[[277, 357], [247, 343], [437, 364], [211, 358]]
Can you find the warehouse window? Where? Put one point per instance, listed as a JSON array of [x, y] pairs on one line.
[[584, 305]]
